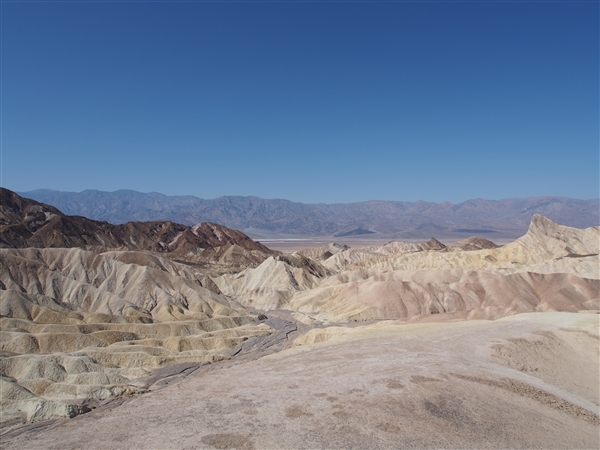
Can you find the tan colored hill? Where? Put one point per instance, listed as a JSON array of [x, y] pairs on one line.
[[551, 268], [272, 284], [457, 293], [78, 325], [545, 244], [157, 261], [93, 283]]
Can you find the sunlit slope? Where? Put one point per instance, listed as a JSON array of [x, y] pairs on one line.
[[525, 381], [272, 284], [551, 268], [463, 293], [547, 247], [77, 325]]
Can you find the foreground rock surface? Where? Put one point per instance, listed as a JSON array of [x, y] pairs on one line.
[[525, 381]]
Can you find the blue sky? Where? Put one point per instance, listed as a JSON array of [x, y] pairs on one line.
[[308, 101]]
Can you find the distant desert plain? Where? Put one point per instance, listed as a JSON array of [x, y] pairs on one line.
[[164, 335]]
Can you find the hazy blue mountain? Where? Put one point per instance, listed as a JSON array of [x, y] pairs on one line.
[[262, 217]]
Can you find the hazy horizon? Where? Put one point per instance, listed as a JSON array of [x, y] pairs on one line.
[[285, 199]]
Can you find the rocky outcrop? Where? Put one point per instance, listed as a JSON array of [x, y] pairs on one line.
[[551, 268], [272, 284], [27, 223], [356, 256], [546, 248], [470, 244], [324, 252]]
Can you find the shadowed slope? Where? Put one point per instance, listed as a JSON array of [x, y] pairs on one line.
[[27, 223]]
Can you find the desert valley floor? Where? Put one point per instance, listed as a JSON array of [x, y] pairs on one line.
[[158, 335]]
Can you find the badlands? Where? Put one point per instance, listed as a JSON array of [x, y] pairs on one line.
[[159, 335]]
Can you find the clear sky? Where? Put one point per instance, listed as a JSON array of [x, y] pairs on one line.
[[308, 101]]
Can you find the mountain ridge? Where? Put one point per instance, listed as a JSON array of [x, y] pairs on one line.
[[260, 217], [27, 223]]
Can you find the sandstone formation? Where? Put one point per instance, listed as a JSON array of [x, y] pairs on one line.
[[81, 325], [348, 258], [460, 293], [551, 268], [272, 284]]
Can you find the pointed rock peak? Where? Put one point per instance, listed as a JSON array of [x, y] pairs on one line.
[[270, 261], [342, 247], [472, 243], [540, 220], [542, 225], [434, 244], [559, 239]]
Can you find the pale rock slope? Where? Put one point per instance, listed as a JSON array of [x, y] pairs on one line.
[[463, 294], [524, 381], [551, 268], [324, 252], [156, 261], [80, 325], [545, 245], [348, 258], [93, 283], [272, 284]]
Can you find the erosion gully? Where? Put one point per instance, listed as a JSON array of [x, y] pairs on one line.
[[285, 330]]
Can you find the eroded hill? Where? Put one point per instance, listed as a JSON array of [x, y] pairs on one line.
[[27, 223]]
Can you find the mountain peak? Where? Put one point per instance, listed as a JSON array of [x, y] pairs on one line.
[[561, 240], [28, 223]]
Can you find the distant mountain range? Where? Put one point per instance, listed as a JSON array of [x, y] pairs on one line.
[[264, 218]]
